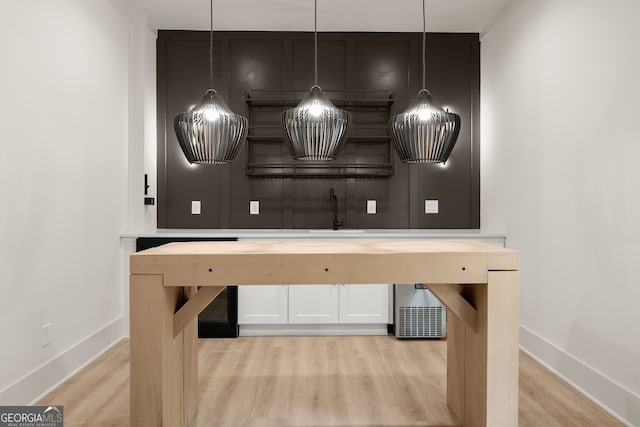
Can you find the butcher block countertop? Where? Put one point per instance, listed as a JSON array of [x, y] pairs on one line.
[[324, 261]]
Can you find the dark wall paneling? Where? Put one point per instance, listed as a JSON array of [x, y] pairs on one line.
[[351, 66], [384, 65], [256, 63], [187, 77], [449, 69], [332, 63]]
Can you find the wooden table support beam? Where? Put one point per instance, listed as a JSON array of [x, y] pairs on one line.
[[194, 306], [450, 296]]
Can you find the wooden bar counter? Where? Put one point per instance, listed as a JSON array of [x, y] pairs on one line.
[[478, 282]]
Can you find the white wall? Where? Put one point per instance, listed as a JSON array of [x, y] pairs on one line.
[[63, 186], [560, 149], [142, 146], [142, 126]]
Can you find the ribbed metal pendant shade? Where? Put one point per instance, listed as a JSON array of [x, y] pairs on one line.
[[210, 132], [424, 132], [315, 129]]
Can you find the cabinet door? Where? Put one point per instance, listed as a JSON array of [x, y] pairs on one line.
[[262, 304], [364, 303], [313, 304]]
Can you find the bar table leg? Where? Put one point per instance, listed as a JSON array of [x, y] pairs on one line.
[[163, 367], [482, 365]]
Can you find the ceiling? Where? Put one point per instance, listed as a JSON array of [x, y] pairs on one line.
[[333, 15]]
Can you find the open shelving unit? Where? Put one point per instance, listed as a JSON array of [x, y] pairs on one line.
[[366, 153]]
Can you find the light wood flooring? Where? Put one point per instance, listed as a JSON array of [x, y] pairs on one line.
[[318, 381]]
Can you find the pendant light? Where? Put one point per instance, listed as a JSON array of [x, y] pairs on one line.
[[210, 132], [424, 132], [315, 129]]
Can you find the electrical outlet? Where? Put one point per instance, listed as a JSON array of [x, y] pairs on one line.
[[195, 207], [372, 207], [431, 207], [45, 337], [254, 207]]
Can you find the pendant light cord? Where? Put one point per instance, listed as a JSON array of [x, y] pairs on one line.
[[211, 45], [315, 40], [424, 45]]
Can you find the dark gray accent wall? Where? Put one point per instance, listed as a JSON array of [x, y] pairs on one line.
[[254, 62]]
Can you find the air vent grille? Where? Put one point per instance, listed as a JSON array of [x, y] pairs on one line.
[[422, 322]]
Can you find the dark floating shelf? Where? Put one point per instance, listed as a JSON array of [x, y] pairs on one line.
[[348, 104], [319, 170], [354, 138], [370, 111], [349, 98]]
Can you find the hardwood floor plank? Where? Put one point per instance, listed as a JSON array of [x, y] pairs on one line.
[[545, 398], [423, 396], [319, 381]]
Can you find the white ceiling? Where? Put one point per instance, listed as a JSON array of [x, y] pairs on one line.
[[333, 15]]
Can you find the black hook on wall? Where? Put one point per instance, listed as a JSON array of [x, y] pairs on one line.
[[147, 200]]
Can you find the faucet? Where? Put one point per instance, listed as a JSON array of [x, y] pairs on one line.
[[334, 208]]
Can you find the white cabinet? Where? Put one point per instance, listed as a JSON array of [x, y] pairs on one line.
[[364, 303], [313, 309], [262, 304], [313, 304]]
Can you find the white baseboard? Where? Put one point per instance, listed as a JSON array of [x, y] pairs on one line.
[[612, 397], [33, 386], [315, 330]]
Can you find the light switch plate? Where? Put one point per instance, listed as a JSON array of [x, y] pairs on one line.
[[431, 206], [195, 207], [254, 207], [371, 207]]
